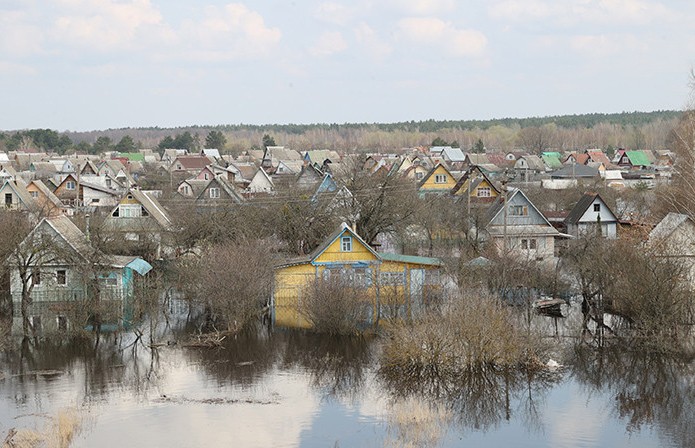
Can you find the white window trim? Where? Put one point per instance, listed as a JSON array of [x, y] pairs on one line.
[[346, 244]]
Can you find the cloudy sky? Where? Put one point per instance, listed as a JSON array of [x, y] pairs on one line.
[[96, 64]]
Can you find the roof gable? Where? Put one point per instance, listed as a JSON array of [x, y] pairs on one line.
[[581, 213], [518, 198], [331, 250], [429, 181]]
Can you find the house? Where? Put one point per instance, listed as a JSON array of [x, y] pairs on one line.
[[141, 223], [261, 183], [190, 165], [515, 226], [477, 185], [309, 176], [205, 174], [394, 285], [191, 188], [218, 191], [551, 160], [320, 157], [592, 214], [64, 273], [634, 160], [45, 199], [453, 156], [528, 166], [15, 196], [438, 180], [75, 192], [416, 172], [575, 171], [674, 237]]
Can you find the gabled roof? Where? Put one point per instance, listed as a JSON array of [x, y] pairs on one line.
[[551, 161], [498, 206], [191, 162], [52, 198], [667, 226], [583, 205], [152, 206], [598, 156], [638, 158], [453, 155], [18, 187], [71, 234], [434, 168], [469, 172], [533, 162], [224, 185]]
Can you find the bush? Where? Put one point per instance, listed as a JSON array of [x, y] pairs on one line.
[[332, 306], [476, 332]]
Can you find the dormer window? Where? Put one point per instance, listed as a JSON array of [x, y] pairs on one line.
[[440, 178], [70, 185], [346, 244], [214, 193]]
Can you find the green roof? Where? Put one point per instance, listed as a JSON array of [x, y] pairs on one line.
[[412, 259], [552, 154], [638, 158], [133, 156], [553, 162]]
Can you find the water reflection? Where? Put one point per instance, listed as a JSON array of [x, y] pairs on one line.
[[648, 389]]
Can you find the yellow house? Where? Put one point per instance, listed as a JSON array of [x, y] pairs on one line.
[[396, 285], [478, 184], [438, 180]]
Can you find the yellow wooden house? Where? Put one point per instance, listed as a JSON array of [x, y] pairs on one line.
[[439, 180], [395, 285], [476, 183]]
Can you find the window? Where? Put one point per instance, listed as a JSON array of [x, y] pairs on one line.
[[484, 192], [61, 277], [130, 210], [36, 323], [440, 178], [363, 277], [36, 277], [8, 199], [70, 185], [597, 207], [518, 210], [528, 244], [62, 323], [346, 244], [34, 194], [419, 175], [214, 193], [185, 190], [392, 278], [206, 176]]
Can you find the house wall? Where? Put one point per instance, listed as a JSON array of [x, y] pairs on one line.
[[545, 247], [533, 217], [431, 186], [590, 218]]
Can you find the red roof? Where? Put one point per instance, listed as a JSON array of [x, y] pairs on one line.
[[192, 162]]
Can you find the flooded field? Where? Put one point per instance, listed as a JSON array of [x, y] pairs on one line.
[[292, 389]]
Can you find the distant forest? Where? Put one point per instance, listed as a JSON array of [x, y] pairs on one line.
[[634, 130]]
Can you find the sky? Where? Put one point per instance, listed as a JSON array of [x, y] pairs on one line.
[[97, 64]]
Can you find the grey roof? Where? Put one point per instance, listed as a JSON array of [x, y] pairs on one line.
[[72, 235], [47, 192], [153, 207], [223, 184], [667, 225], [453, 155], [572, 171], [18, 187]]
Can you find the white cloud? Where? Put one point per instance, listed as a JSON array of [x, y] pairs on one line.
[[13, 69], [423, 7], [329, 43], [108, 25], [371, 42], [335, 13], [602, 45], [19, 36], [581, 12], [441, 34], [229, 32]]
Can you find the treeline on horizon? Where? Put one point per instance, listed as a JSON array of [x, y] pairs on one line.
[[638, 130]]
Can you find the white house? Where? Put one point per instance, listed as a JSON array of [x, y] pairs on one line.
[[592, 214]]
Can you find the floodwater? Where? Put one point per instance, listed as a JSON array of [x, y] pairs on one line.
[[289, 389]]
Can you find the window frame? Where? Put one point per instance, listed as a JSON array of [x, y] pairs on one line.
[[62, 274], [70, 185], [216, 192], [440, 178], [487, 192], [346, 244], [597, 207]]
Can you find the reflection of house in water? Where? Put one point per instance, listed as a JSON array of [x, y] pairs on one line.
[[68, 279], [395, 285]]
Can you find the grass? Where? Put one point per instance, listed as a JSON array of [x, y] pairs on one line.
[[58, 433]]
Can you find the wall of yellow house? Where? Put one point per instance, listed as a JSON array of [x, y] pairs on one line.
[[484, 184], [431, 183], [334, 252], [290, 283]]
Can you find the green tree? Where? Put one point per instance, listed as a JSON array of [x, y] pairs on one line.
[[439, 142], [215, 139], [478, 147], [268, 141], [103, 144], [126, 144], [166, 143], [84, 147]]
